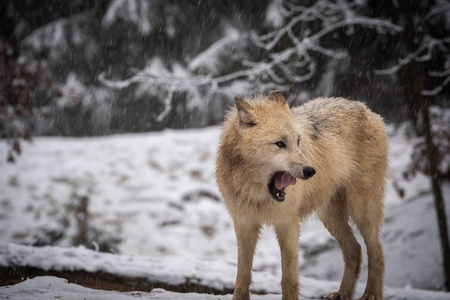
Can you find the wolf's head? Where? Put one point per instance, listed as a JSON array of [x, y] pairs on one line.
[[271, 142]]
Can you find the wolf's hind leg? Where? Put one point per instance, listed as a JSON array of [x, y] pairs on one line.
[[369, 225], [335, 218]]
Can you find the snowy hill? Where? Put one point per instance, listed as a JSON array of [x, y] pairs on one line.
[[153, 199]]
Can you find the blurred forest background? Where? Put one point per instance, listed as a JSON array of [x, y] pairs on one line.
[[60, 60]]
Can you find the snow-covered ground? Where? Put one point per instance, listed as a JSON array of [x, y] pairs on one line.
[[57, 288], [153, 197], [47, 287]]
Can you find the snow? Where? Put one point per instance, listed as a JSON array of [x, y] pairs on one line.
[[275, 14], [72, 91], [135, 11], [209, 61], [47, 287], [400, 151], [57, 36], [155, 195], [214, 274], [209, 273], [49, 36], [133, 181], [57, 288]]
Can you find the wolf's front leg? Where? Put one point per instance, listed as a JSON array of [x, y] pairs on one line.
[[247, 236], [287, 234]]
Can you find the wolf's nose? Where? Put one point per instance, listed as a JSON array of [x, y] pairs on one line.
[[308, 172]]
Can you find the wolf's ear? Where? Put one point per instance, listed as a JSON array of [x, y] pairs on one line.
[[277, 96], [244, 114]]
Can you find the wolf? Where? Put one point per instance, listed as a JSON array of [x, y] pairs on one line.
[[276, 166]]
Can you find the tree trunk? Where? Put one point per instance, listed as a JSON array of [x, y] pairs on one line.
[[437, 192], [412, 80], [414, 83]]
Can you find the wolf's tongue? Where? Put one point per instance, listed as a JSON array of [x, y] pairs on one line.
[[283, 179]]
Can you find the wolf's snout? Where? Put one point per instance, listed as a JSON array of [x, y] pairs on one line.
[[308, 172]]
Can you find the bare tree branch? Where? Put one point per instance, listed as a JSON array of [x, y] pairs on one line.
[[423, 53], [438, 89]]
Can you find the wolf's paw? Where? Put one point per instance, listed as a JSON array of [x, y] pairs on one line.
[[336, 296], [241, 295], [371, 296]]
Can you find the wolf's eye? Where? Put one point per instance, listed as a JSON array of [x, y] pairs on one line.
[[280, 144], [298, 142]]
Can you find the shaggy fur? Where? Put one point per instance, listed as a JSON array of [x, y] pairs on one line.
[[344, 143]]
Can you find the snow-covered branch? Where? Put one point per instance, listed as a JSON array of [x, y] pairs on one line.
[[438, 89], [423, 54], [336, 17], [293, 64], [439, 9]]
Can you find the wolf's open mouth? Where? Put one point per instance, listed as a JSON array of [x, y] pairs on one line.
[[278, 183]]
